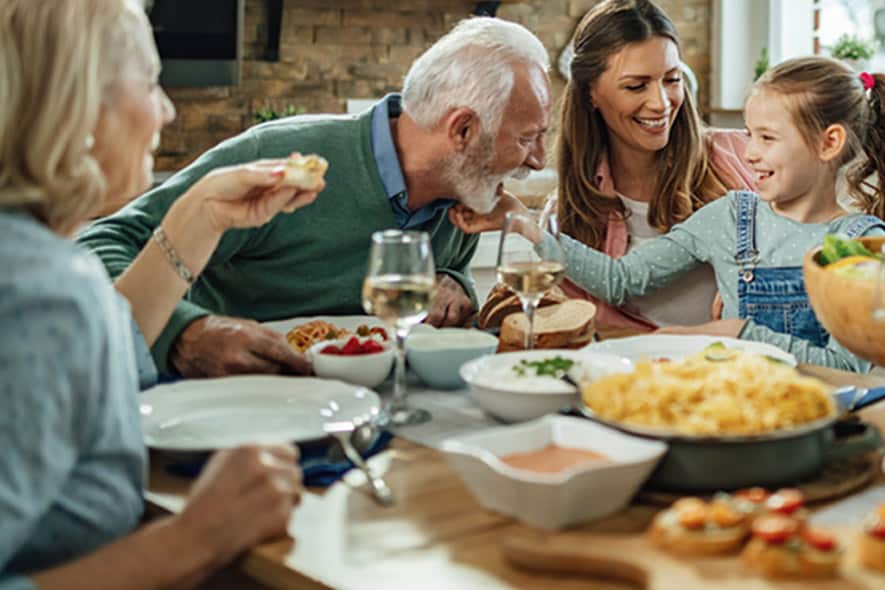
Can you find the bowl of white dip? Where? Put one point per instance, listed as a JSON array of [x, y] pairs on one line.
[[519, 386]]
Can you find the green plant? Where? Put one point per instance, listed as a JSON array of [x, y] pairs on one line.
[[269, 114], [761, 64], [852, 47]]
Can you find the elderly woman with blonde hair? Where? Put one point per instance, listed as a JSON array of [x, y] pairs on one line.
[[80, 113]]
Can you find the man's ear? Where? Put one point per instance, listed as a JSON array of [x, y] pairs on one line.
[[462, 127], [832, 142]]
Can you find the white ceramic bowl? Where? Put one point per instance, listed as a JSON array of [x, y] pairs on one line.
[[553, 500], [508, 397], [437, 355], [368, 370]]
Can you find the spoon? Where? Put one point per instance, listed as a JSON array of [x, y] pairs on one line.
[[343, 431]]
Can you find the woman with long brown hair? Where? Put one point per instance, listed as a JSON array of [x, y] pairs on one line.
[[634, 157]]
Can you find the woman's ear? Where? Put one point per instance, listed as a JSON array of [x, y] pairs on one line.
[[832, 142], [462, 126]]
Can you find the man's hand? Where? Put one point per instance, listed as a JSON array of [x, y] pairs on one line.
[[451, 305], [214, 346], [726, 328]]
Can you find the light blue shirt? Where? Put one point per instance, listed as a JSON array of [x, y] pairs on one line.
[[73, 463], [389, 168]]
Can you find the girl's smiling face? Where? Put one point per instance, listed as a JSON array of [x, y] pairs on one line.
[[786, 167]]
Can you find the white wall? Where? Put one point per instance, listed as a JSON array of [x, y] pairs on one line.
[[741, 28]]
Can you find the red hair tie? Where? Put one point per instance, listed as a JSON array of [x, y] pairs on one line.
[[868, 80]]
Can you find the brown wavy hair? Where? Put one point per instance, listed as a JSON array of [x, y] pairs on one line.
[[686, 179], [821, 92]]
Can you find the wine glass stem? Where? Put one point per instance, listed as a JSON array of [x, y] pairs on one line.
[[528, 306], [399, 375]]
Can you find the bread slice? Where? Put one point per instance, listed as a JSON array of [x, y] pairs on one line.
[[501, 302], [305, 172], [564, 325]]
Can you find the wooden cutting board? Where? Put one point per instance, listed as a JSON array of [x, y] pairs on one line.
[[632, 559]]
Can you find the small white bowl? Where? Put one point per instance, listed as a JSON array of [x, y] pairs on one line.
[[437, 355], [508, 397], [584, 492], [368, 370]]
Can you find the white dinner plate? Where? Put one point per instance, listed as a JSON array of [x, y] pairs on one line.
[[347, 322], [207, 414], [676, 346]]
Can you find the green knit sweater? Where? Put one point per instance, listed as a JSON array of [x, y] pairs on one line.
[[310, 262]]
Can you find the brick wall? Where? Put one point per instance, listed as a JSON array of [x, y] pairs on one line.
[[332, 50]]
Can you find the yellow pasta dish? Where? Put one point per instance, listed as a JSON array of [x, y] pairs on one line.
[[715, 392]]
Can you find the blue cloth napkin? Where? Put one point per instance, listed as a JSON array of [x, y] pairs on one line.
[[318, 469]]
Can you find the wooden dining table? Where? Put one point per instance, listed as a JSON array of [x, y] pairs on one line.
[[437, 536]]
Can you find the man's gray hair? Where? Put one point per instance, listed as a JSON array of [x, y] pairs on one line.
[[471, 66]]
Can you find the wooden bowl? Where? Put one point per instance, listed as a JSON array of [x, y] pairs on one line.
[[844, 305]]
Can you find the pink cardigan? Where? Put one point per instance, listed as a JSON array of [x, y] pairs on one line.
[[727, 156]]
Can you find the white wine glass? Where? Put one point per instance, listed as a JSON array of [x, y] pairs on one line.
[[398, 289], [530, 261]]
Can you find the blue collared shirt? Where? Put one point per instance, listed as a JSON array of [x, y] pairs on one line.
[[389, 168]]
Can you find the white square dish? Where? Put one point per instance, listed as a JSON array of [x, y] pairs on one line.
[[577, 494]]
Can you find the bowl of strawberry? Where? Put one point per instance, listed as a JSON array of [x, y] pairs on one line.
[[356, 359]]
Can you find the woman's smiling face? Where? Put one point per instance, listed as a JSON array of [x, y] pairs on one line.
[[640, 94]]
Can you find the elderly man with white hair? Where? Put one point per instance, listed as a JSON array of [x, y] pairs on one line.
[[474, 110]]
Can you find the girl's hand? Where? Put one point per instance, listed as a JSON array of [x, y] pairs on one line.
[[726, 328], [243, 497], [248, 195], [471, 222]]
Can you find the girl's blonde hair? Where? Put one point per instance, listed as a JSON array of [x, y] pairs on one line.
[[821, 91], [58, 61], [687, 179]]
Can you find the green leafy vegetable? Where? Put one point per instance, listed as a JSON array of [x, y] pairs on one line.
[[836, 247]]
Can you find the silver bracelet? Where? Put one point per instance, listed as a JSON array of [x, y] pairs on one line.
[[172, 256]]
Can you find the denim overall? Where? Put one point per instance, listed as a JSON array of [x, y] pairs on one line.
[[775, 296]]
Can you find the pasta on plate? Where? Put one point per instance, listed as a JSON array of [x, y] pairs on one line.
[[726, 393]]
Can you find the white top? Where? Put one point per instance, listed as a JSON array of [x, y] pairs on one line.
[[686, 301]]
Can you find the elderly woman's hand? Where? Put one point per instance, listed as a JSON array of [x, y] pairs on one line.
[[249, 195], [243, 497], [471, 222]]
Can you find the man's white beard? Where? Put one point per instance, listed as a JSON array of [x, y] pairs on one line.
[[469, 173]]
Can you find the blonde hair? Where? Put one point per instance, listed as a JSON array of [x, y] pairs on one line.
[[59, 61], [687, 180], [819, 92]]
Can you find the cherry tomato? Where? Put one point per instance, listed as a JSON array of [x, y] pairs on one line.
[[774, 529], [819, 539], [785, 501], [875, 525], [755, 495]]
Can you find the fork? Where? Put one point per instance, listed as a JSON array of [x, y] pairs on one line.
[[342, 430]]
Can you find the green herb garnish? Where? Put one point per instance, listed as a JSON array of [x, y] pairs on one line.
[[554, 367]]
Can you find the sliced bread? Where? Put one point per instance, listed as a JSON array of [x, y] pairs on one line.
[[564, 325]]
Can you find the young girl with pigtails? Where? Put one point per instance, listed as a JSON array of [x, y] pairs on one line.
[[810, 120]]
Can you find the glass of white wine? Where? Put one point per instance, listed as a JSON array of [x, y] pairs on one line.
[[530, 261], [399, 289]]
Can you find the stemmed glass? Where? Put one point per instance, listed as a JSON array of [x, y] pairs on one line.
[[399, 290], [530, 261]]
